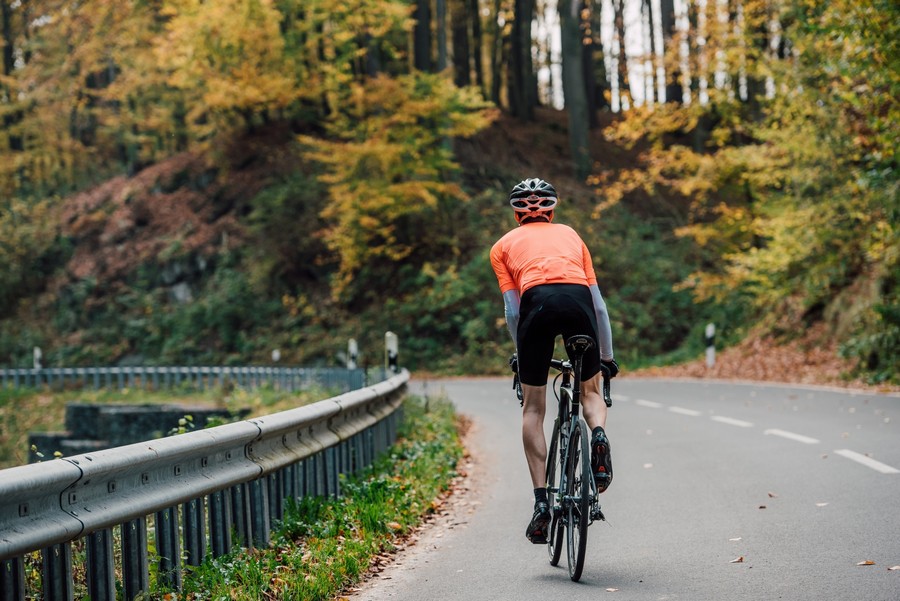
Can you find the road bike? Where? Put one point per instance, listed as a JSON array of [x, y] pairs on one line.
[[570, 481]]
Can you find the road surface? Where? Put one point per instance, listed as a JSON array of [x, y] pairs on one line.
[[721, 491]]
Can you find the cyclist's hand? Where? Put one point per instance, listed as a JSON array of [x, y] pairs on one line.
[[517, 385], [610, 367]]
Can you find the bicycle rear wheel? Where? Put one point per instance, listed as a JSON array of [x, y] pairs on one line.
[[578, 493], [554, 471]]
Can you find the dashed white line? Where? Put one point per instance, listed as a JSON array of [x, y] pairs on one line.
[[867, 461], [620, 397], [791, 436], [683, 411], [645, 403], [731, 421]]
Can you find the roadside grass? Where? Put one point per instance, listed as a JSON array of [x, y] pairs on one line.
[[26, 411], [326, 544]]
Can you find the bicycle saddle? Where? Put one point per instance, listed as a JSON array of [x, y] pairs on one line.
[[579, 344]]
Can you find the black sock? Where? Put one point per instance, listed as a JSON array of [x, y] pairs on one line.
[[540, 495]]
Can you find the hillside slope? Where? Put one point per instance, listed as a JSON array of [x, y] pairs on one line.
[[172, 265]]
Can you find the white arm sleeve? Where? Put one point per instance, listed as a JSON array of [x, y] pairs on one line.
[[604, 331], [511, 309]]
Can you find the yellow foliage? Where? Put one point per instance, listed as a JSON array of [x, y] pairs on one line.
[[389, 165]]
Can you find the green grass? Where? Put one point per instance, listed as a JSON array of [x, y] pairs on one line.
[[25, 411], [325, 545]]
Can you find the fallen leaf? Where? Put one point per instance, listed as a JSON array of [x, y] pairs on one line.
[[893, 568], [867, 562], [772, 495], [394, 526], [762, 506], [611, 590], [737, 560], [821, 504], [734, 540]]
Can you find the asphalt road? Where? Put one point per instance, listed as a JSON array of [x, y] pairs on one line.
[[801, 484]]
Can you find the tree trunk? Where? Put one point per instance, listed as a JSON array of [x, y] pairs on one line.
[[459, 25], [597, 64], [622, 71], [650, 79], [422, 36], [573, 85], [496, 55], [522, 97], [587, 65], [14, 142], [441, 6], [6, 37], [673, 78], [477, 41]]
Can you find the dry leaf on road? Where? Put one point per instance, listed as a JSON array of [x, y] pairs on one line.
[[737, 560], [867, 562]]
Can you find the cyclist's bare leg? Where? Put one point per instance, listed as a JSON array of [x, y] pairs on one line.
[[592, 405], [534, 406]]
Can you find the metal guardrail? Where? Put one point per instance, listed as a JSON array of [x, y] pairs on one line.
[[200, 378], [206, 490]]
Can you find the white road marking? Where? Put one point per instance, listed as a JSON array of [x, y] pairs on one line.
[[791, 436], [731, 421], [619, 397], [867, 461], [683, 411], [651, 404]]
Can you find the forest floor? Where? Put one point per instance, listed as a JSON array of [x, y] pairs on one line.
[[806, 361]]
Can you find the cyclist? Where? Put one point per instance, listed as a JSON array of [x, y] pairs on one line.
[[549, 288]]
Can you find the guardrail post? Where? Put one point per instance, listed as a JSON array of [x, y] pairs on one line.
[[101, 568], [168, 548], [241, 513], [259, 512], [290, 482], [135, 566], [276, 507], [194, 531], [56, 563], [220, 523], [331, 472], [12, 579]]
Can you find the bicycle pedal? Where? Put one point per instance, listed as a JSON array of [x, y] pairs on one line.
[[597, 514]]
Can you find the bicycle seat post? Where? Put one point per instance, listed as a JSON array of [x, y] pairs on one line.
[[577, 346]]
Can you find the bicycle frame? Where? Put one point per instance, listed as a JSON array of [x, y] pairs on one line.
[[568, 399]]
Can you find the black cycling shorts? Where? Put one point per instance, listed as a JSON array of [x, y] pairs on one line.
[[548, 311]]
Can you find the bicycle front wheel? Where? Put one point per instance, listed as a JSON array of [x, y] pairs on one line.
[[555, 535], [578, 495]]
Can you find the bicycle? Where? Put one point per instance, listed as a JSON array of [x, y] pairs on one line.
[[575, 501]]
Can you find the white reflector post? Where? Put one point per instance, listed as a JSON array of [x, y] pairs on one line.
[[391, 352]]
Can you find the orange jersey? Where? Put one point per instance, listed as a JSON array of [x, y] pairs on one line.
[[541, 253]]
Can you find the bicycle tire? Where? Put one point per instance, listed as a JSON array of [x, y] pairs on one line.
[[578, 491], [555, 537]]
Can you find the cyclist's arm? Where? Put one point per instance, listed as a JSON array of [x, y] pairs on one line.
[[511, 309], [604, 330]]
